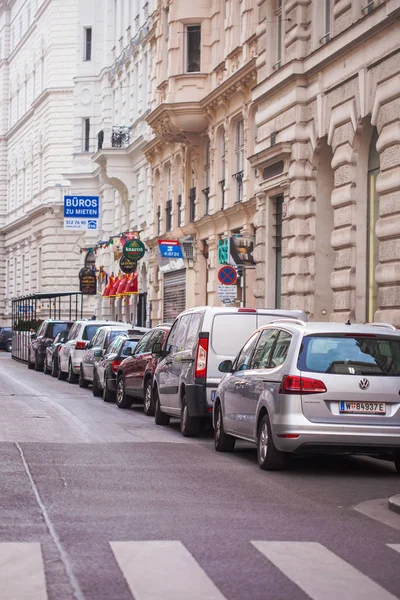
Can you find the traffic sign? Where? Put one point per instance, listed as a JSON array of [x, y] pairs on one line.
[[227, 293], [227, 275]]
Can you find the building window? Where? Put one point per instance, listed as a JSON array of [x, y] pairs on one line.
[[90, 259], [179, 211], [278, 251], [86, 135], [239, 160], [159, 220], [279, 34], [87, 50], [168, 203], [327, 21], [222, 167], [369, 7], [372, 240], [193, 41], [206, 189], [192, 203]]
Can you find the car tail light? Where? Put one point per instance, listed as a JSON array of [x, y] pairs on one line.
[[289, 436], [295, 384], [80, 346], [114, 365], [247, 310], [59, 349], [200, 370]]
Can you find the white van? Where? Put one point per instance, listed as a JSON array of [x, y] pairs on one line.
[[187, 376]]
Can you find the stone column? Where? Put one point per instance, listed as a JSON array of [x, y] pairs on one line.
[[259, 254]]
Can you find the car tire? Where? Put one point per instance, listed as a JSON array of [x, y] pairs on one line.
[[54, 367], [96, 389], [36, 366], [46, 369], [61, 375], [159, 417], [82, 382], [222, 441], [148, 403], [71, 376], [108, 396], [9, 346], [190, 426], [122, 400], [269, 457]]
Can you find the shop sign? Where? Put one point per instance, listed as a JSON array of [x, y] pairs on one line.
[[80, 207], [126, 265], [134, 250], [170, 249], [87, 281], [80, 224]]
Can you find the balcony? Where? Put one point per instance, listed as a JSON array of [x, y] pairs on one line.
[[116, 137]]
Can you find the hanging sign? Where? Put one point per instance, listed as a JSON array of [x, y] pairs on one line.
[[134, 250], [87, 282], [170, 248], [126, 265]]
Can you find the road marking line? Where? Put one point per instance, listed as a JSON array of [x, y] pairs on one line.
[[394, 547], [163, 570], [22, 571], [320, 573]]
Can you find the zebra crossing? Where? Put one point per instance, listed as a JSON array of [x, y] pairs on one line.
[[166, 570]]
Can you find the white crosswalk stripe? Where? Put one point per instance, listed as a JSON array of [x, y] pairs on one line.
[[163, 570], [320, 573], [22, 572]]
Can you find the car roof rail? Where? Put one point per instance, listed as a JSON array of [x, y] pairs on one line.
[[387, 325], [288, 320]]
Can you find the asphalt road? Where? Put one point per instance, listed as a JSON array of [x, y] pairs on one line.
[[98, 503]]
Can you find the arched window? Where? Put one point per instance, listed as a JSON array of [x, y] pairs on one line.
[[372, 218], [90, 259]]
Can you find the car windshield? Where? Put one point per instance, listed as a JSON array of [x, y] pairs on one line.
[[350, 355]]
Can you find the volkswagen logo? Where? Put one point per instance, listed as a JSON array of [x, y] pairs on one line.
[[363, 383]]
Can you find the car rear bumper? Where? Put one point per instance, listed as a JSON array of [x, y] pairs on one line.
[[196, 400], [350, 439]]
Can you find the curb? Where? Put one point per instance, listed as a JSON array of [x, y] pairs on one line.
[[394, 503]]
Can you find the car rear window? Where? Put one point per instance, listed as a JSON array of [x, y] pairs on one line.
[[58, 327], [113, 334], [231, 331], [350, 355], [89, 331]]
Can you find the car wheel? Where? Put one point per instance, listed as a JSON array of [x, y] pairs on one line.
[[122, 400], [148, 404], [54, 367], [83, 383], [108, 396], [269, 457], [159, 417], [71, 377], [9, 346], [37, 366], [61, 375], [397, 464], [190, 426], [222, 441], [96, 389]]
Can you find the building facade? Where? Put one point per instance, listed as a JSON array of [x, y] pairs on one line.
[[279, 119]]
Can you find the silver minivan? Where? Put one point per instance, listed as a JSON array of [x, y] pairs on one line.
[[300, 387], [187, 376]]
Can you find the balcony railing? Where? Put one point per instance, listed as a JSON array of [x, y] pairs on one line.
[[117, 137]]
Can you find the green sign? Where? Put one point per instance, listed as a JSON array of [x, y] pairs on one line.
[[223, 251], [133, 250]]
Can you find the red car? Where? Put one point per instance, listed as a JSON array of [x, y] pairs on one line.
[[135, 374]]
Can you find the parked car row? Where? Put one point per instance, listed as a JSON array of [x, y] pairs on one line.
[[264, 376]]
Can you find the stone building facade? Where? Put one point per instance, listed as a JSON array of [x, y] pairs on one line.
[[315, 83]]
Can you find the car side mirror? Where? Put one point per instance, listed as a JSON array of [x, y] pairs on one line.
[[156, 350], [225, 366], [128, 351], [98, 353]]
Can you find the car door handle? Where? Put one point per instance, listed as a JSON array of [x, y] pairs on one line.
[[169, 361], [187, 360], [240, 383]]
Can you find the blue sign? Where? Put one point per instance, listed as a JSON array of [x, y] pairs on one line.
[[81, 207], [170, 249]]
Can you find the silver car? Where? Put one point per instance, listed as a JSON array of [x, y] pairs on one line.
[[300, 387]]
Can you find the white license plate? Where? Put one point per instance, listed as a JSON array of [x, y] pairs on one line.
[[363, 408]]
